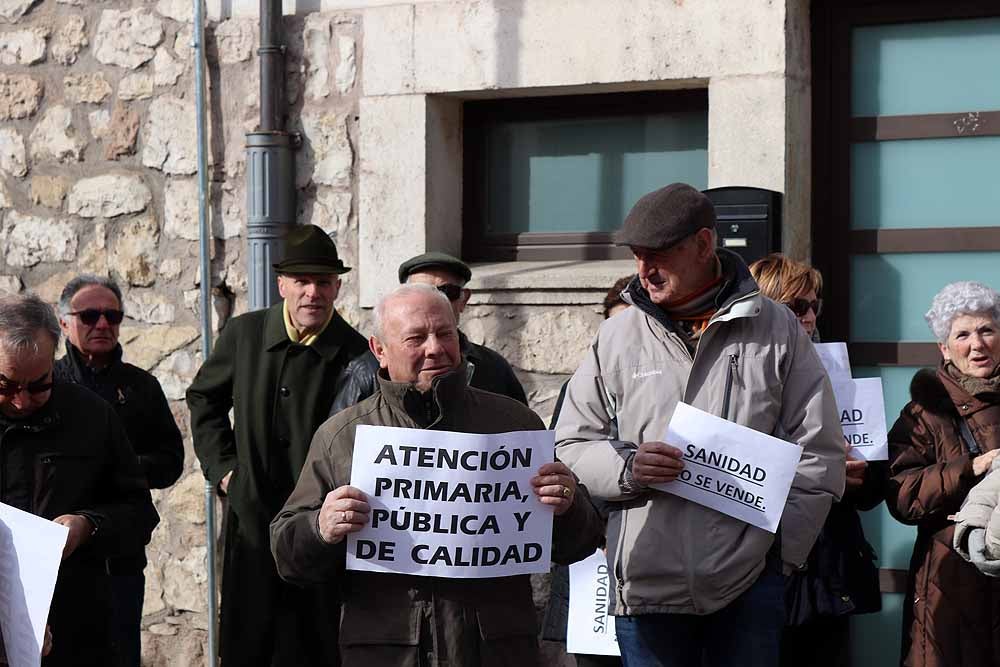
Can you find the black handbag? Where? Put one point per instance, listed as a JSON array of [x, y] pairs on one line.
[[841, 576]]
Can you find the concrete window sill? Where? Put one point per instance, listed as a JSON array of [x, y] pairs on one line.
[[545, 283]]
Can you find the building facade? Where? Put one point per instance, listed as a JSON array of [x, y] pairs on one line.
[[516, 134]]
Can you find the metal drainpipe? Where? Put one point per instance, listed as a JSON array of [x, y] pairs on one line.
[[270, 166], [205, 236]]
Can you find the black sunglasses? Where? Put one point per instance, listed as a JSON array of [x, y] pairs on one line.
[[92, 316], [802, 306], [10, 388], [453, 292]]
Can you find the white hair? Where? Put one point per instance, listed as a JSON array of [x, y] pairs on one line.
[[961, 298], [406, 289]]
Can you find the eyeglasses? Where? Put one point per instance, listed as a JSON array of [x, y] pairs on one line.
[[91, 316], [453, 292], [10, 388], [802, 306]]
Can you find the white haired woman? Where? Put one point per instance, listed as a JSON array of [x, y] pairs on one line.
[[943, 443]]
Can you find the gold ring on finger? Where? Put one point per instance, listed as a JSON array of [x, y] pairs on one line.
[[565, 492]]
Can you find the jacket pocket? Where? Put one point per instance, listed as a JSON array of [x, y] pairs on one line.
[[61, 478]]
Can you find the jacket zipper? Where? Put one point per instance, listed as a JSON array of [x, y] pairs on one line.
[[730, 372], [619, 581]]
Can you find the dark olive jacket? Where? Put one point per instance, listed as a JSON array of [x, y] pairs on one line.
[[280, 392], [72, 457], [398, 620], [487, 371], [951, 615]]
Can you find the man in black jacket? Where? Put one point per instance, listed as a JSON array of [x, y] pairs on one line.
[[66, 457], [278, 370], [487, 369], [90, 313]]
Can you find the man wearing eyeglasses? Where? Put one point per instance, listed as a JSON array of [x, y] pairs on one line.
[[487, 369], [278, 370], [90, 315], [694, 587], [66, 457]]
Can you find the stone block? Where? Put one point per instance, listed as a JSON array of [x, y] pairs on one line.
[[48, 191], [55, 137], [12, 155], [388, 62], [135, 86], [127, 38], [69, 40], [186, 499], [152, 601], [316, 41], [150, 307], [92, 88], [50, 289], [346, 67], [180, 209], [109, 195], [134, 251], [29, 240], [184, 581], [5, 200], [100, 121], [122, 133], [20, 96], [12, 10], [181, 11], [166, 70], [170, 136], [234, 40], [23, 47], [326, 157], [10, 284], [149, 345]]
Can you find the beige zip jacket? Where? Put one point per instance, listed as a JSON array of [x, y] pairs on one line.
[[669, 555]]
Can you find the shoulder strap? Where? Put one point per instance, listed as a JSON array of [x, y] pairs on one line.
[[967, 437]]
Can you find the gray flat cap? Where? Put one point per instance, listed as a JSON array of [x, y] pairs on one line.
[[666, 216]]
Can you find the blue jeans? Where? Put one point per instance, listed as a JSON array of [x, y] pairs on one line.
[[746, 633]]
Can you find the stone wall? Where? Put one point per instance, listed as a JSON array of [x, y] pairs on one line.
[[97, 174], [98, 163]]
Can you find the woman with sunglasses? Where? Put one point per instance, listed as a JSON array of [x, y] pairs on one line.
[[841, 578]]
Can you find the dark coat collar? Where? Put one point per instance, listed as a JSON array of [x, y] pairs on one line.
[[737, 283], [327, 345], [429, 409], [79, 365]]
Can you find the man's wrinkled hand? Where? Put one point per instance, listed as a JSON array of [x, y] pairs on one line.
[[80, 529], [555, 486], [345, 510], [656, 463]]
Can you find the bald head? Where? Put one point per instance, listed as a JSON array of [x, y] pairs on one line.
[[416, 335]]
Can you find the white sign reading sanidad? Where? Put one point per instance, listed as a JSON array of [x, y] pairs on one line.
[[730, 468]]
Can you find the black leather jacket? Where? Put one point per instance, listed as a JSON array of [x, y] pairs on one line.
[[489, 372]]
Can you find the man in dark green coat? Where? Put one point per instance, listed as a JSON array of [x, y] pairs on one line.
[[279, 370]]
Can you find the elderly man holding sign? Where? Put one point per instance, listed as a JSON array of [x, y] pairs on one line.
[[453, 512], [694, 585]]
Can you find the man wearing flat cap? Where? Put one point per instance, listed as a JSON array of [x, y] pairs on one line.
[[486, 368], [695, 587], [279, 371]]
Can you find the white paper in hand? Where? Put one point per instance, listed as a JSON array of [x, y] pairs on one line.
[[862, 416], [731, 468], [590, 629], [30, 552], [835, 361]]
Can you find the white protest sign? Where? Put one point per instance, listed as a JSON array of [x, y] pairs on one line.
[[590, 629], [731, 468], [862, 416], [30, 552], [835, 361], [451, 504]]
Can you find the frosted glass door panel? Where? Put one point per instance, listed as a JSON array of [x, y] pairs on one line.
[[890, 293], [584, 175], [917, 68], [925, 183]]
